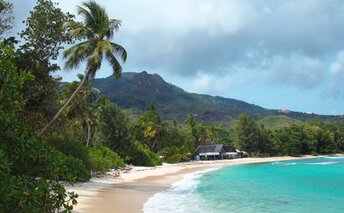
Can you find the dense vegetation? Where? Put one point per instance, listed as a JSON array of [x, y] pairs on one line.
[[315, 137], [91, 133]]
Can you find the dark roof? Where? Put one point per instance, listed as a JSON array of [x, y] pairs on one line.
[[229, 148], [210, 148]]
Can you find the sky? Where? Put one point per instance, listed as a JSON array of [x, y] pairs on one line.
[[273, 53]]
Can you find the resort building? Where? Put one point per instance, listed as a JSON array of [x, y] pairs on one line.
[[216, 152]]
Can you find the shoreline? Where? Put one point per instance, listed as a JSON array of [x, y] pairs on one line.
[[129, 192]]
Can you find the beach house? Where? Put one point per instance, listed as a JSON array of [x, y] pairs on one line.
[[216, 152]]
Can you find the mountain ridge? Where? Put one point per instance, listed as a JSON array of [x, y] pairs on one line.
[[136, 91]]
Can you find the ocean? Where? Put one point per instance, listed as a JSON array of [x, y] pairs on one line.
[[312, 185]]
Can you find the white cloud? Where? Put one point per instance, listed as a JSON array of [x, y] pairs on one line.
[[201, 83], [219, 85], [297, 70], [336, 72]]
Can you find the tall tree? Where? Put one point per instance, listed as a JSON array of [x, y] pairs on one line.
[[97, 30], [191, 123], [114, 129], [5, 16], [43, 38], [247, 134], [149, 129]]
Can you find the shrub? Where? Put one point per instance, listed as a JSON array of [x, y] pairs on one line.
[[103, 159], [141, 155], [75, 149], [77, 169], [21, 193]]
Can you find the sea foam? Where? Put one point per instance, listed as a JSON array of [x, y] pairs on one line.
[[180, 196]]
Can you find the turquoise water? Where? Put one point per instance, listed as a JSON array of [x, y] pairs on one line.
[[315, 185]]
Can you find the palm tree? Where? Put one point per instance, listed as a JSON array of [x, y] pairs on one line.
[[97, 30], [84, 107]]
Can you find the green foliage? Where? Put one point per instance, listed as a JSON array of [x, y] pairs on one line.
[[247, 134], [139, 154], [178, 143], [103, 159], [287, 141], [313, 138], [149, 129], [11, 81], [114, 129], [310, 139], [76, 169], [278, 121], [338, 137], [74, 158], [22, 194], [44, 34], [31, 170], [173, 154], [178, 137], [83, 108], [97, 29], [43, 38], [252, 138], [5, 16], [73, 148]]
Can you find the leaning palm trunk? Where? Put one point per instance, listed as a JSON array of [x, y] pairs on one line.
[[67, 102], [88, 139]]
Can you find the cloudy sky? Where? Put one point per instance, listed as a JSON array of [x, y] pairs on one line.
[[274, 53]]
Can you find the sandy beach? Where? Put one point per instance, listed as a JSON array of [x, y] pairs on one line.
[[129, 192]]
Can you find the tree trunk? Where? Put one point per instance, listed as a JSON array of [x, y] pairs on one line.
[[66, 104], [88, 133]]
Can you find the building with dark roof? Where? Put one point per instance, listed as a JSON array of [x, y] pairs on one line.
[[216, 152]]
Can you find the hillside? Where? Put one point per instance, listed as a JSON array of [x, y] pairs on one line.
[[278, 121], [136, 91]]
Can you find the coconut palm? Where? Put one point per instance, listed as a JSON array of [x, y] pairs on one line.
[[96, 32], [83, 108]]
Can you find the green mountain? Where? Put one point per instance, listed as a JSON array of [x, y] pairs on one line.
[[136, 91]]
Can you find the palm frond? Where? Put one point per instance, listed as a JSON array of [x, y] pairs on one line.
[[77, 30], [98, 28], [76, 54], [120, 51], [116, 67], [90, 21], [75, 48], [96, 18], [94, 60], [114, 25], [105, 46]]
